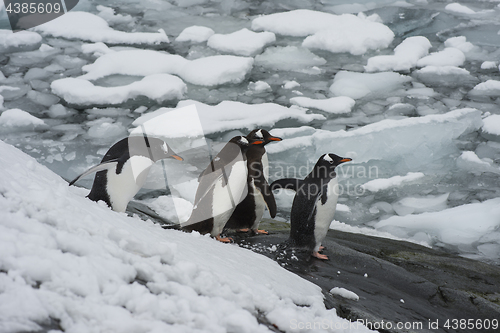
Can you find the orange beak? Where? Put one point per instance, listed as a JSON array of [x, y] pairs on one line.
[[275, 138], [345, 160], [257, 142], [177, 157]]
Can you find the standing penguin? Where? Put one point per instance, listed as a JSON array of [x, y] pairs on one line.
[[124, 169], [314, 204], [249, 212], [221, 187]]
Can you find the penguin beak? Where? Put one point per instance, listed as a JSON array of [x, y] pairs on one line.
[[345, 160], [275, 138], [258, 142], [177, 157]]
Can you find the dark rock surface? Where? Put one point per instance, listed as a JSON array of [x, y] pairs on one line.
[[398, 283]]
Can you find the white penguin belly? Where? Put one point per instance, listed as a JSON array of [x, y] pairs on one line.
[[265, 166], [260, 205], [123, 187], [226, 198], [325, 213]]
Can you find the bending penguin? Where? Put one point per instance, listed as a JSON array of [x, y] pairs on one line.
[[249, 212], [221, 187], [124, 169], [314, 204]]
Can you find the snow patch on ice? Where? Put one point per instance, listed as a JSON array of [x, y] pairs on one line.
[[458, 8], [491, 124], [342, 292], [359, 85], [242, 42], [195, 34], [289, 58], [19, 41], [16, 119], [382, 184], [335, 105], [450, 56]]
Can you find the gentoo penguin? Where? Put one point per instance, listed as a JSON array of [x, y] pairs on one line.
[[248, 213], [314, 204], [124, 168], [222, 185]]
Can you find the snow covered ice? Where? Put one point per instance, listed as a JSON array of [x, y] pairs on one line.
[[410, 90]]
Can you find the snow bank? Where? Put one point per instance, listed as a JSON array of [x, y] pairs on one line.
[[359, 85], [67, 259], [206, 71], [242, 42], [382, 184], [335, 105], [328, 31], [19, 41], [90, 27], [195, 34], [16, 120], [406, 56], [462, 225], [158, 87], [182, 122]]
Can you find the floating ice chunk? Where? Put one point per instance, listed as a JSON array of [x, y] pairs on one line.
[[335, 105], [42, 98], [178, 123], [405, 56], [462, 225], [382, 184], [158, 87], [416, 205], [195, 34], [97, 49], [489, 65], [458, 8], [19, 42], [359, 85], [343, 208], [206, 71], [58, 111], [16, 119], [259, 86], [450, 56], [14, 92], [189, 3], [328, 30], [290, 84], [242, 42], [288, 58], [342, 292], [469, 161], [491, 124], [111, 17], [488, 88], [443, 70], [107, 130], [90, 27], [460, 43]]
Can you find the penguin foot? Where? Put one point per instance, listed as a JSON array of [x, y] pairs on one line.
[[321, 248], [243, 230], [260, 231], [320, 256], [223, 240]]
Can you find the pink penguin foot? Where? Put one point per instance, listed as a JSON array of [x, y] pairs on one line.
[[320, 256], [223, 240]]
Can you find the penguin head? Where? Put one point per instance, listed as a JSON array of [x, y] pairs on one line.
[[262, 135], [152, 148], [325, 167], [244, 143]]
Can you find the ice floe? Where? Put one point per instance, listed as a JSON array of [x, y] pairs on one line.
[[359, 85], [335, 105], [195, 34], [19, 42], [242, 42]]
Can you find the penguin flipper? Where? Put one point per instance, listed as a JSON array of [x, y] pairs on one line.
[[287, 184], [102, 166], [265, 190]]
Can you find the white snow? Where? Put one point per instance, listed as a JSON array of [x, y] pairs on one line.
[[450, 56], [382, 184], [491, 124], [458, 8], [259, 86], [489, 65], [158, 87], [73, 260], [359, 85], [90, 27], [461, 225], [443, 70], [335, 105], [406, 55], [461, 43], [421, 204], [289, 58], [13, 42], [488, 88], [342, 292], [111, 17], [16, 119], [191, 118], [195, 34], [97, 49], [328, 31], [290, 84], [206, 71], [470, 162], [242, 42]]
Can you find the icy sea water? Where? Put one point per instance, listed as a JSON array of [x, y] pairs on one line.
[[459, 159]]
